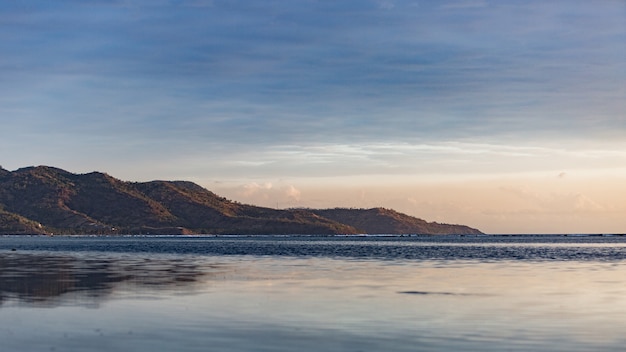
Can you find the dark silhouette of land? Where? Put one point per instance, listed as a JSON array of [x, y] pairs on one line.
[[43, 200]]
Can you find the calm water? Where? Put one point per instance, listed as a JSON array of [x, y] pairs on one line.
[[450, 293]]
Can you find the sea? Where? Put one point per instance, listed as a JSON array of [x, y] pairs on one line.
[[313, 293]]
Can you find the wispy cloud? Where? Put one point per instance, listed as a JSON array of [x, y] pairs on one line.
[[264, 90], [293, 71], [406, 162]]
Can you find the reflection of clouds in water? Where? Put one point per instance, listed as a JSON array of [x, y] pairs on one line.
[[52, 279]]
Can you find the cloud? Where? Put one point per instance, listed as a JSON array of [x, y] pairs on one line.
[[292, 88], [298, 71], [292, 193], [252, 189], [267, 194], [419, 160]]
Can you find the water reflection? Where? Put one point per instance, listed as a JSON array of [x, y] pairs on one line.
[[159, 301], [49, 279]]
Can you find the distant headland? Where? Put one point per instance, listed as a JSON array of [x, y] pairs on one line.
[[45, 200]]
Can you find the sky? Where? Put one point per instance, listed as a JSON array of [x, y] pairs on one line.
[[507, 116]]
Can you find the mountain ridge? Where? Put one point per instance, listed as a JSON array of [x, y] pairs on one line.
[[44, 199]]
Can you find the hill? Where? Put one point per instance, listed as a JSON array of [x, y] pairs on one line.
[[45, 199], [388, 221]]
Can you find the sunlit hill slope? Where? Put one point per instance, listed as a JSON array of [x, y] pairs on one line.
[[50, 200]]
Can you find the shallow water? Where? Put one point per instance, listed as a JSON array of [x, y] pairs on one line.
[[451, 293]]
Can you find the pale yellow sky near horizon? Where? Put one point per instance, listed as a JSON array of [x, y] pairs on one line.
[[551, 202]]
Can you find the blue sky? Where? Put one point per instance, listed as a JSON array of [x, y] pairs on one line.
[[288, 97]]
